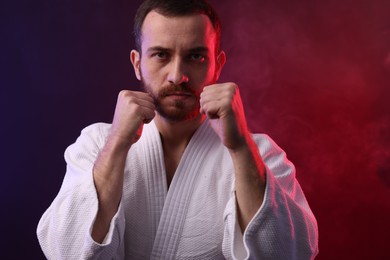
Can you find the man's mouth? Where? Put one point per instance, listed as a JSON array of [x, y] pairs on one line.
[[179, 93]]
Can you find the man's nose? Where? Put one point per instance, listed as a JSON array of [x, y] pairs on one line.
[[177, 74]]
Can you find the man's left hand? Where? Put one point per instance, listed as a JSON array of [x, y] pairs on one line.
[[222, 104]]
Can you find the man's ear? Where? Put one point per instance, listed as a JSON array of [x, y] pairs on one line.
[[135, 60], [221, 60]]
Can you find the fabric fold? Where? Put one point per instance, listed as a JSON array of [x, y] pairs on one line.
[[180, 192], [196, 218]]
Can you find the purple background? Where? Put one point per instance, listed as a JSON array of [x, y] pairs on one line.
[[314, 75]]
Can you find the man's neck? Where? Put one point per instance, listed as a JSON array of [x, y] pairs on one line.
[[177, 134], [175, 137]]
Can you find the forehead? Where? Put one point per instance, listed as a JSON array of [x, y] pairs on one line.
[[187, 31]]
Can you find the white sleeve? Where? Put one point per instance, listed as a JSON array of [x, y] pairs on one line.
[[284, 227], [64, 231]]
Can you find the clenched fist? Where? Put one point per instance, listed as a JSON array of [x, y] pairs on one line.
[[222, 104], [133, 109]]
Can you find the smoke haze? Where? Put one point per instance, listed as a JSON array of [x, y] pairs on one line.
[[314, 75]]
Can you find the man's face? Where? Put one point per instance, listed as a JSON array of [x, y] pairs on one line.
[[178, 59]]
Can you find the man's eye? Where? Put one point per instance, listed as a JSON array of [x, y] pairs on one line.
[[197, 57], [160, 55]]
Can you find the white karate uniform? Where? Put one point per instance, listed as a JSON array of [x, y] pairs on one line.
[[196, 218]]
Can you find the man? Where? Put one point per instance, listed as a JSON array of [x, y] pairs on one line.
[[177, 175]]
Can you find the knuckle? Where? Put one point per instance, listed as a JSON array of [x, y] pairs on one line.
[[130, 100], [123, 93], [136, 109], [228, 94], [232, 87]]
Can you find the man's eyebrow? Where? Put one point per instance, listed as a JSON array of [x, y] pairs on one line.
[[157, 49], [163, 49], [199, 49]]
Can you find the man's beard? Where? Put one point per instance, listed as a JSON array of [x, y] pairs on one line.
[[179, 110]]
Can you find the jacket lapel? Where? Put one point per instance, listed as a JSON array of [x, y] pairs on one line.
[[176, 203]]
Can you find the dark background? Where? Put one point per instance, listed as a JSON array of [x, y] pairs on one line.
[[314, 75]]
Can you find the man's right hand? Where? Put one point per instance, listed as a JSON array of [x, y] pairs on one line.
[[133, 109]]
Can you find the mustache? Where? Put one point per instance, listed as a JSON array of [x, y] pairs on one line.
[[172, 88]]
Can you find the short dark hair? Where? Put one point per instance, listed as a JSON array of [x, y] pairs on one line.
[[171, 8]]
